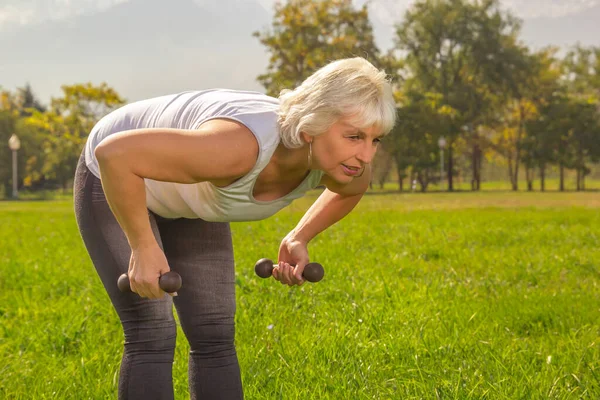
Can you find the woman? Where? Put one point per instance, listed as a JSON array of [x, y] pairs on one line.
[[159, 180]]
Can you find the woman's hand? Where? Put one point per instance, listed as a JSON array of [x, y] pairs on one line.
[[291, 252], [146, 265]]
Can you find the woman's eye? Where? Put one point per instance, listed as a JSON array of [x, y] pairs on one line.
[[355, 137]]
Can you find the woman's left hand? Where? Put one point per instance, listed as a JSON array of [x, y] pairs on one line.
[[291, 252]]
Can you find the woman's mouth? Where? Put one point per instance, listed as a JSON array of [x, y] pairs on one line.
[[350, 171]]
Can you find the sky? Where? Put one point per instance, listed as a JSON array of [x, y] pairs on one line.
[[25, 12], [549, 8], [545, 22]]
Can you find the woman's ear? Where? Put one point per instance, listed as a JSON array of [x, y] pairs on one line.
[[306, 137]]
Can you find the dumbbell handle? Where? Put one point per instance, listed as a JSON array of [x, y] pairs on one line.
[[169, 282], [313, 272]]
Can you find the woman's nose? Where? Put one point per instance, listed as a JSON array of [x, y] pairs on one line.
[[366, 154]]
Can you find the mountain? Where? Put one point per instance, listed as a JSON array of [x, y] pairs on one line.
[[146, 47]]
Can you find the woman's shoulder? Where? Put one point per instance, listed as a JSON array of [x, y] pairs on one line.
[[234, 146], [233, 133]]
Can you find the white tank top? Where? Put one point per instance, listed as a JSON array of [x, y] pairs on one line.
[[188, 110]]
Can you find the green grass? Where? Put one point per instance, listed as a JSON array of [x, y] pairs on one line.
[[551, 185], [460, 185], [426, 296]]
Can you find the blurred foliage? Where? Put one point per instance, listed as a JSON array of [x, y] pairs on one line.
[[459, 72], [308, 34], [51, 139]]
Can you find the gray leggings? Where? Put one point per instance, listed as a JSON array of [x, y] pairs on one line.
[[201, 252]]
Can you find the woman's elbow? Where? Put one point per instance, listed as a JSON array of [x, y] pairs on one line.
[[100, 152], [104, 151]]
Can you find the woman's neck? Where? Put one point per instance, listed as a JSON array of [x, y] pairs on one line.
[[292, 162]]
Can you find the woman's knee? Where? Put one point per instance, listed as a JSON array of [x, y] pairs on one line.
[[212, 339], [151, 341]]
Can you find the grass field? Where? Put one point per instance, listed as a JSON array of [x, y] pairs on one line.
[[490, 295]]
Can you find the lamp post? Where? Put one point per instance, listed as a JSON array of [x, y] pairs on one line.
[[14, 144], [442, 144]]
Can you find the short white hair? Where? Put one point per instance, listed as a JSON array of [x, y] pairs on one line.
[[347, 88]]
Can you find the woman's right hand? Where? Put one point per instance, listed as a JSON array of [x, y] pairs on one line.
[[146, 265]]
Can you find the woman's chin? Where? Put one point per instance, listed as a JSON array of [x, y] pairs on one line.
[[340, 178]]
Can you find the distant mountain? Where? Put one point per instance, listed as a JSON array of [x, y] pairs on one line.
[[146, 47]]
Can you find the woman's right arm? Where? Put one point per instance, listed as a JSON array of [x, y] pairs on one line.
[[220, 151]]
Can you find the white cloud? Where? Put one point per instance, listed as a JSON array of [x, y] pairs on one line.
[[14, 13], [267, 4], [548, 8], [391, 11], [17, 15], [388, 11]]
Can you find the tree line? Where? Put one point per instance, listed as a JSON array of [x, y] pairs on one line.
[[460, 72], [52, 137]]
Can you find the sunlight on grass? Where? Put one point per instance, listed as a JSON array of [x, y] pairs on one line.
[[466, 295]]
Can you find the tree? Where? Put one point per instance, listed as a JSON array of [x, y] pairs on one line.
[[307, 35], [26, 101], [381, 168], [543, 134], [584, 135], [65, 128], [511, 136], [528, 89], [457, 49], [582, 71], [543, 138], [581, 76], [15, 107], [413, 141], [8, 121]]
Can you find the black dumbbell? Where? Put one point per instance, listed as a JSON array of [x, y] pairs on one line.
[[169, 282], [313, 272]]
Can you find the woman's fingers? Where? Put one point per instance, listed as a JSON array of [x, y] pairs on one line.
[[276, 272], [279, 273], [150, 290], [287, 274], [287, 271], [297, 274]]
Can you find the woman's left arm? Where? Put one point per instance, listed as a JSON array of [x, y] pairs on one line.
[[331, 206]]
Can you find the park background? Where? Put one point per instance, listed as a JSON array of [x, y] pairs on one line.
[[515, 101], [455, 277]]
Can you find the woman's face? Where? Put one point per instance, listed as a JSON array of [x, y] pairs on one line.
[[343, 151]]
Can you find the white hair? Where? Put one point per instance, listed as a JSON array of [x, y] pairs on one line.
[[348, 88]]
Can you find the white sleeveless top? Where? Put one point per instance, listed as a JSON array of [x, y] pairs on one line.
[[188, 110]]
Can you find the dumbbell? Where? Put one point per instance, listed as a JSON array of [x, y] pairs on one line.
[[169, 282], [313, 272]]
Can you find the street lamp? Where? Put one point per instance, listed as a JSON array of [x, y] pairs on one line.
[[14, 144], [442, 144]]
